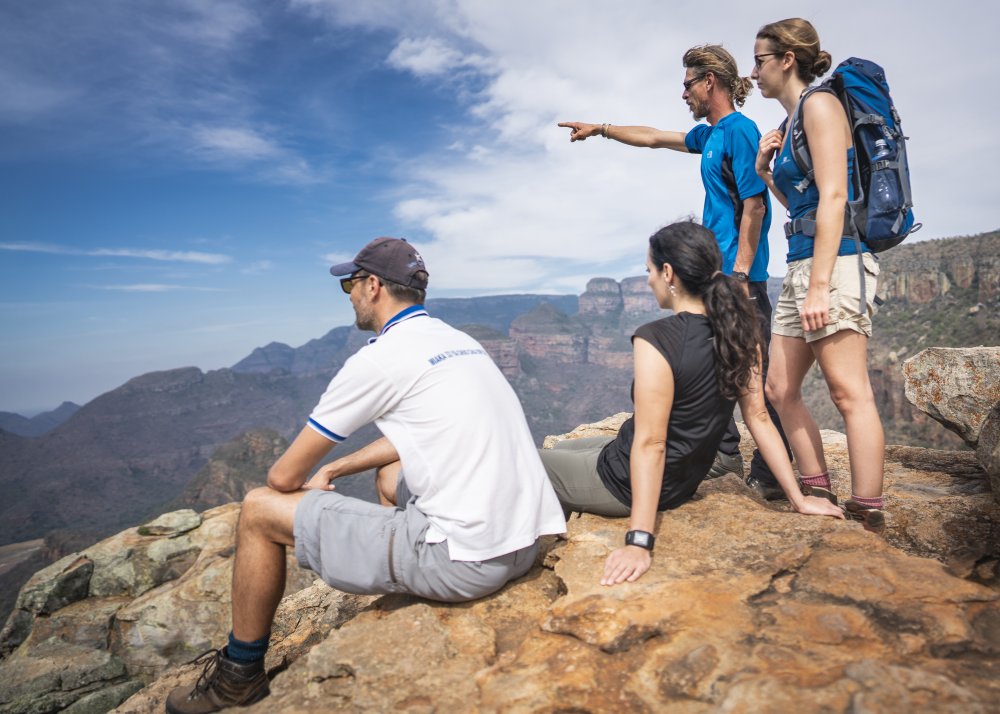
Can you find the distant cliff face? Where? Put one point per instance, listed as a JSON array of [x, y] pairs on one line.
[[603, 296], [599, 334], [929, 270], [502, 348]]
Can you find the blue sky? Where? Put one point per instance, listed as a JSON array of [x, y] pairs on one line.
[[175, 177]]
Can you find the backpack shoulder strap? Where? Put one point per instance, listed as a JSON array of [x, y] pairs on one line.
[[799, 146]]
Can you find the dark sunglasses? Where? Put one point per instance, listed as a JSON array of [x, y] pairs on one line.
[[758, 62], [691, 82], [347, 284]]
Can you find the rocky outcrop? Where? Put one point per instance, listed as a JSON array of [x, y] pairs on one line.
[[603, 296], [95, 627], [960, 388], [501, 348], [988, 448], [549, 334], [637, 297], [925, 271], [747, 607], [234, 469], [614, 351]]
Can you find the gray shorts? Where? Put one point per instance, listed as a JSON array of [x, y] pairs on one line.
[[571, 466], [362, 547]]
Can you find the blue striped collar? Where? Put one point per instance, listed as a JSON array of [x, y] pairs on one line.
[[402, 316]]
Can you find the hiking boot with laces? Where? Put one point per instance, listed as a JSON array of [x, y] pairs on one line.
[[726, 464], [872, 519], [223, 683]]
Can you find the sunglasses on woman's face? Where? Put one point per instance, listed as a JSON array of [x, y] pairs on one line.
[[758, 62]]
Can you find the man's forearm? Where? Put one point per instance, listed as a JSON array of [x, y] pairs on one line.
[[750, 223], [378, 453], [648, 137]]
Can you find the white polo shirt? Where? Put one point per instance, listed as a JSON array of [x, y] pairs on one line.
[[459, 430]]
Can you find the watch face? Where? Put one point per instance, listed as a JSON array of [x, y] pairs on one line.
[[639, 538]]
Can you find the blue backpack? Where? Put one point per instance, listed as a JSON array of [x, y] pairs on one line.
[[881, 214]]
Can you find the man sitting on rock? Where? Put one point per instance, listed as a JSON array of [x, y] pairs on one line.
[[464, 496]]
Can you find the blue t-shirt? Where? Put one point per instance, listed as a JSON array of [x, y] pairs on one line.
[[730, 149], [787, 176]]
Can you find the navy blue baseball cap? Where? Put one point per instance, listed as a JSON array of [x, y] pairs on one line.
[[390, 258]]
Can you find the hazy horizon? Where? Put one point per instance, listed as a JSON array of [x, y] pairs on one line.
[[177, 179]]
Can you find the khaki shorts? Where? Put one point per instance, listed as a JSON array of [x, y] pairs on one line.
[[845, 298]]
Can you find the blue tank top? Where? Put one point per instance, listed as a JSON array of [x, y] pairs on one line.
[[786, 176]]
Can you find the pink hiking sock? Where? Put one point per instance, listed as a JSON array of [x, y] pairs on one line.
[[822, 480], [878, 503]]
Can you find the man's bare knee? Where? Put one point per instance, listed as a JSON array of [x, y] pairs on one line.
[[386, 478], [270, 512]]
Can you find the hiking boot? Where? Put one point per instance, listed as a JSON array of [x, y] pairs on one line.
[[819, 491], [726, 464], [767, 491], [223, 683], [872, 519]]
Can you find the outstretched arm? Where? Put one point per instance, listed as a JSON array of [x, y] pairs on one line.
[[773, 450], [643, 136], [654, 396]]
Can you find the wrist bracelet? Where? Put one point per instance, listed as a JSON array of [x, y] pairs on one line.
[[604, 130]]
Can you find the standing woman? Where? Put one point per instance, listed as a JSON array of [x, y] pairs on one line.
[[690, 369], [819, 316]]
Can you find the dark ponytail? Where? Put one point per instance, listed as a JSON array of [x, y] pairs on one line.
[[693, 253]]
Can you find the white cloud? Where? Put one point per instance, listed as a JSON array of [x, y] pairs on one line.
[[181, 256], [233, 143], [429, 56], [522, 208], [237, 146]]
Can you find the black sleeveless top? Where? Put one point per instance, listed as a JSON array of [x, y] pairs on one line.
[[698, 418]]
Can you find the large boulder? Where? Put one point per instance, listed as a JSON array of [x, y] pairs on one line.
[[956, 386], [961, 389], [93, 628], [988, 448], [747, 607]]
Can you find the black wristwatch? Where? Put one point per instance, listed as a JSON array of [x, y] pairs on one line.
[[741, 276], [641, 539]]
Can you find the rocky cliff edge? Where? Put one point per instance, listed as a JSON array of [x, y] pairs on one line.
[[747, 608]]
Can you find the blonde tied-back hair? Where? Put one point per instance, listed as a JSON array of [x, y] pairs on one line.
[[799, 37], [714, 59]]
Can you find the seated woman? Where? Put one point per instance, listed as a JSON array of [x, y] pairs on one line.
[[690, 370]]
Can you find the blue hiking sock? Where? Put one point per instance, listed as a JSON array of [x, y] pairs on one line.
[[246, 652]]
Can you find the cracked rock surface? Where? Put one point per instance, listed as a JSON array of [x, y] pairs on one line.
[[748, 607]]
